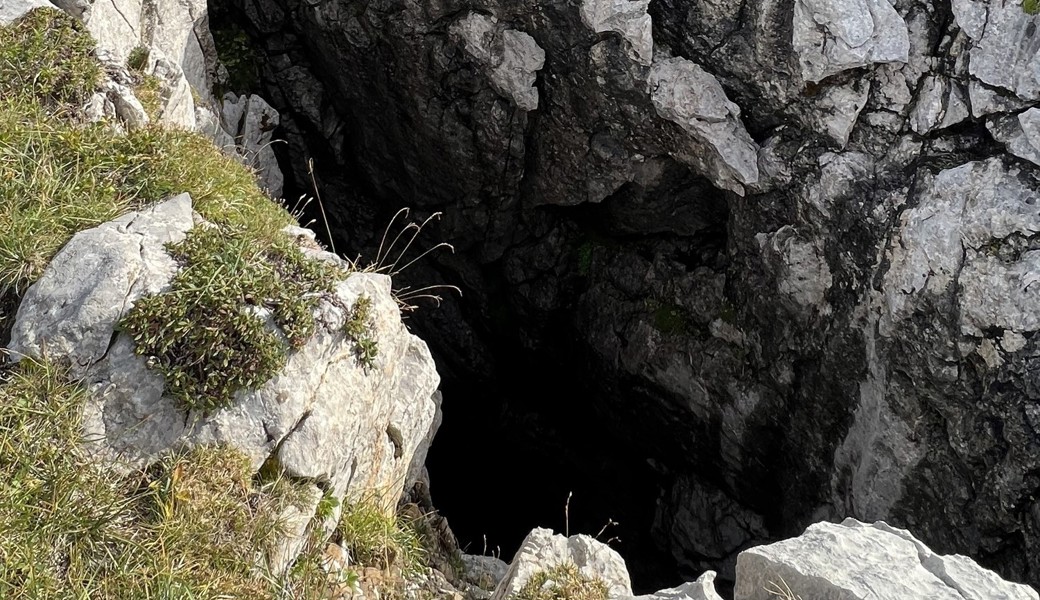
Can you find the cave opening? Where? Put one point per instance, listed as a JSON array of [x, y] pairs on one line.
[[528, 438], [534, 420]]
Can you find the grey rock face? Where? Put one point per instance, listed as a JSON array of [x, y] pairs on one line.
[[705, 522], [175, 34], [701, 589], [181, 54], [542, 551], [685, 94], [838, 110], [946, 237], [513, 57], [1020, 134], [626, 17], [67, 313], [249, 121], [833, 36], [789, 247], [1003, 52], [484, 571], [939, 105], [855, 560], [324, 417], [128, 109]]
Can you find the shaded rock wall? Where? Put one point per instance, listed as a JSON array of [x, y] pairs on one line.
[[788, 245]]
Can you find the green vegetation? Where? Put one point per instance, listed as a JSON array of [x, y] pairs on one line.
[[138, 59], [239, 56], [377, 538], [358, 327], [585, 252], [190, 527], [199, 328], [1031, 7], [669, 319], [147, 87], [198, 525], [387, 549], [562, 582], [47, 58], [58, 177]]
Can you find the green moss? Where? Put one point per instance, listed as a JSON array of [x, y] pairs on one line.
[[48, 56], [207, 333], [239, 56], [585, 252], [1031, 7], [728, 313], [669, 319], [562, 582], [358, 327]]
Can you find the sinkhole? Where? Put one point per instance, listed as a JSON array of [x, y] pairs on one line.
[[540, 428]]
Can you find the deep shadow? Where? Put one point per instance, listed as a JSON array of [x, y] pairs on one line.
[[507, 459]]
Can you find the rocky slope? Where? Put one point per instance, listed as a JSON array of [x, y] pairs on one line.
[[849, 561], [787, 248]]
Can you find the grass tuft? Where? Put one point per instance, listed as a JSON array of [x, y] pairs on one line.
[[193, 526], [562, 582], [377, 538], [47, 56]]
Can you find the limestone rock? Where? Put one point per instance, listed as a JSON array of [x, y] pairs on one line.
[[831, 36], [208, 123], [809, 342], [542, 550], [177, 104], [512, 56], [324, 417], [1021, 134], [701, 589], [703, 521], [626, 17], [128, 109], [943, 241], [12, 10], [855, 560], [174, 33], [68, 313], [250, 122], [1004, 53], [804, 276], [295, 521], [685, 94], [838, 109], [985, 100], [485, 572], [939, 104]]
